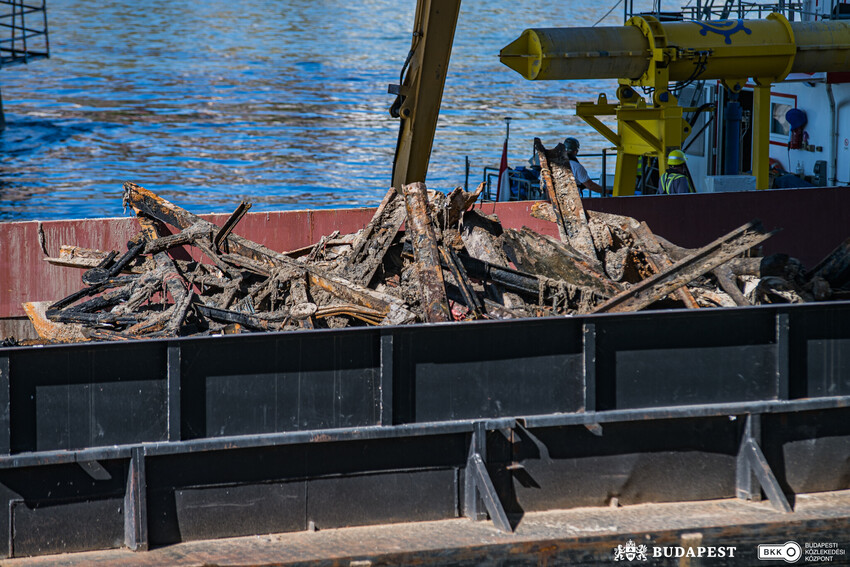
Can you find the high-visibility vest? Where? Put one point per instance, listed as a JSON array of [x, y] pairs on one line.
[[669, 177]]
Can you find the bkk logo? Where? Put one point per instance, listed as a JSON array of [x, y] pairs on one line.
[[634, 552], [790, 551]]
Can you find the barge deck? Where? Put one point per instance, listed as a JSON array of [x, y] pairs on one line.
[[585, 536]]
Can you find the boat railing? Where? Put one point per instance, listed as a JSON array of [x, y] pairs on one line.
[[741, 9], [25, 38], [525, 189]]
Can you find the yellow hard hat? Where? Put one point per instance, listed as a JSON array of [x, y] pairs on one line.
[[676, 157]]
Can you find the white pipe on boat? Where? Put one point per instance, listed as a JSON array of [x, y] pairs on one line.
[[835, 111], [833, 136]]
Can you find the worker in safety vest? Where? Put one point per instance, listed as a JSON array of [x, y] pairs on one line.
[[579, 172], [676, 178]]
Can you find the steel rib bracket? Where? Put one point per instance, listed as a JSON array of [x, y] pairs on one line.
[[485, 488], [686, 270], [95, 470], [753, 462]]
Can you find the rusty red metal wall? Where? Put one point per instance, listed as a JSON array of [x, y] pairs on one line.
[[25, 276], [814, 221]]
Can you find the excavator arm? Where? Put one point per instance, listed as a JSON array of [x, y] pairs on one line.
[[420, 93]]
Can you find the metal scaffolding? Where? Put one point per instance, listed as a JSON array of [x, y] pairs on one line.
[[25, 37]]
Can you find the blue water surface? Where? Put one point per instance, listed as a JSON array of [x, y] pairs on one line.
[[281, 103]]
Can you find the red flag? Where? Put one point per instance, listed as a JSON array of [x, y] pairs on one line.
[[503, 189]]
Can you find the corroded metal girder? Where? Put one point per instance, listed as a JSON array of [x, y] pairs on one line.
[[426, 253]]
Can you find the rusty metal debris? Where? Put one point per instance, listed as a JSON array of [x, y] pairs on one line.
[[182, 275]]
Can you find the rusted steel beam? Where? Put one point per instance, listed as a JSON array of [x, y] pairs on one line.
[[659, 260], [512, 280], [230, 224], [371, 245], [427, 257], [534, 253], [146, 202], [470, 298], [681, 273], [565, 197], [244, 319]]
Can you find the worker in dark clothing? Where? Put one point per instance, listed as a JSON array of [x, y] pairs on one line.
[[676, 178]]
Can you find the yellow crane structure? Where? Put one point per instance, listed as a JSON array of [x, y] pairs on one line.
[[650, 54]]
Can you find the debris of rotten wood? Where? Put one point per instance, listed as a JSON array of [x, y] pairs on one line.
[[564, 195], [298, 290], [427, 257], [470, 298], [382, 276], [458, 201], [835, 267], [738, 266], [52, 331], [77, 257], [537, 254], [146, 202], [370, 246], [659, 260], [480, 236], [106, 270], [171, 278], [726, 279], [701, 262]]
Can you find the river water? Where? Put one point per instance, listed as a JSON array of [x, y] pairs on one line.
[[282, 103]]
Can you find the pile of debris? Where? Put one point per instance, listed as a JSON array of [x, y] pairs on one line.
[[451, 263]]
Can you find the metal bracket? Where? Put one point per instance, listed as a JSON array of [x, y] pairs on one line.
[[479, 487], [135, 503], [95, 470], [752, 464]]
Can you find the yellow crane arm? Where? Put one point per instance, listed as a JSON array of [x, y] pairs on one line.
[[419, 96]]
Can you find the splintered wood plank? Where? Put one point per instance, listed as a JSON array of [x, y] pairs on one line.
[[659, 260], [148, 203], [566, 199], [426, 255], [480, 236], [686, 270], [371, 245], [52, 331], [458, 201], [537, 254]]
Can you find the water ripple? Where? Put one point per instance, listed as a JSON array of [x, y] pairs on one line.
[[280, 103]]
